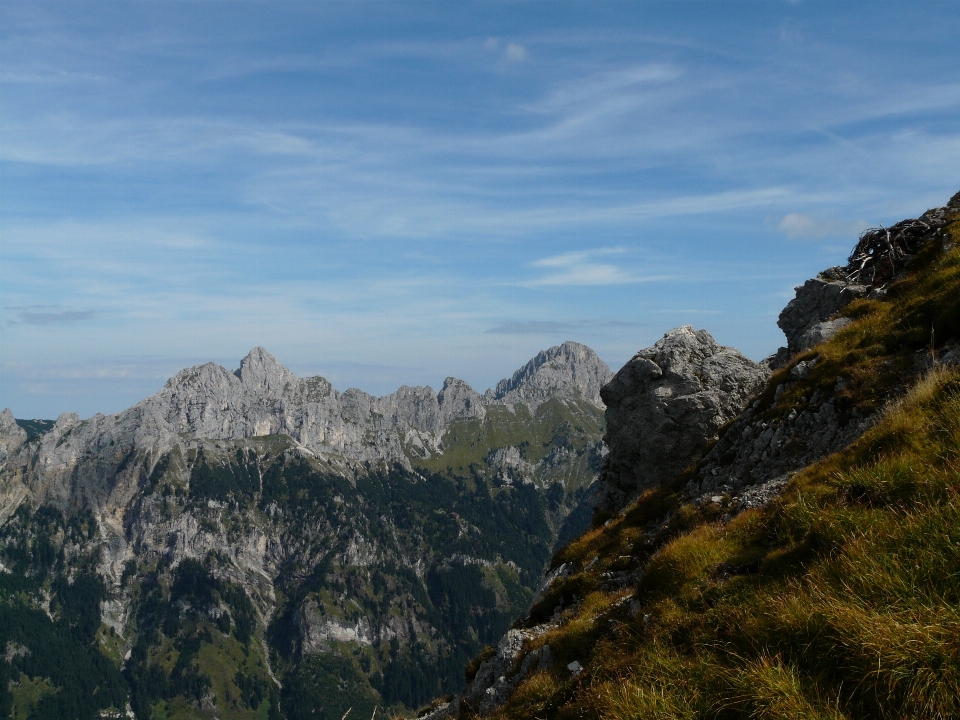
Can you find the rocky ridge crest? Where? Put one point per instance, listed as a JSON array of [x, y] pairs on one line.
[[262, 397]]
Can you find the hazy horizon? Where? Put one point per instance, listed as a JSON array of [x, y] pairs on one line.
[[368, 371]]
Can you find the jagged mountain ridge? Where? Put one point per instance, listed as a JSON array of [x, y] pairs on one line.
[[262, 397], [329, 535]]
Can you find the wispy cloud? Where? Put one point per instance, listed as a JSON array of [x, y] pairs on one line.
[[552, 327], [45, 78], [531, 327], [606, 91], [515, 52], [509, 52], [584, 268], [43, 316], [805, 227]]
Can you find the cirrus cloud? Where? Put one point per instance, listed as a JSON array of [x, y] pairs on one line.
[[47, 316], [583, 268]]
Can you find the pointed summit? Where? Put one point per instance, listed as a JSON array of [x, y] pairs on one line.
[[261, 373], [568, 370]]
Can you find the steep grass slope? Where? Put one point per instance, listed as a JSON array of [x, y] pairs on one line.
[[840, 599]]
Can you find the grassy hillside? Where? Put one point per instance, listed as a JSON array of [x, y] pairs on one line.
[[558, 426], [839, 600]]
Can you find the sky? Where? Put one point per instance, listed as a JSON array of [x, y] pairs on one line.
[[392, 193]]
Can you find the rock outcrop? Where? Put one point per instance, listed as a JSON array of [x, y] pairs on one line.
[[497, 676], [757, 454], [806, 320], [814, 315], [12, 436], [664, 405]]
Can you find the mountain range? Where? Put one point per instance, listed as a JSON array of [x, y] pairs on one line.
[[249, 540]]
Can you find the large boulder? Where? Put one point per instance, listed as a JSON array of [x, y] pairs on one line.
[[664, 405]]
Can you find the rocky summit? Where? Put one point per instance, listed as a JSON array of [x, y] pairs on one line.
[[248, 543]]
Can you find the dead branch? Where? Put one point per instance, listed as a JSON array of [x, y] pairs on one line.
[[881, 253]]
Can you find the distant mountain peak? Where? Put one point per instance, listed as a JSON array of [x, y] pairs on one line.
[[569, 371], [260, 370]]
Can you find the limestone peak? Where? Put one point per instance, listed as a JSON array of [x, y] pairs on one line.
[[569, 371], [261, 372]]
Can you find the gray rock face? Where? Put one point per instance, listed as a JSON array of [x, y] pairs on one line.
[[496, 678], [319, 632], [12, 436], [569, 371], [458, 400], [262, 397], [758, 456], [806, 319], [664, 405]]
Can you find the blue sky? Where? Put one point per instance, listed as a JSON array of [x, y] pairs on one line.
[[389, 193]]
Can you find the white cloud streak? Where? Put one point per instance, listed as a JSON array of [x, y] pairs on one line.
[[515, 52], [583, 268], [805, 227]]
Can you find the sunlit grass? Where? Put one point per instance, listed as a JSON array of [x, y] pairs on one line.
[[839, 600]]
